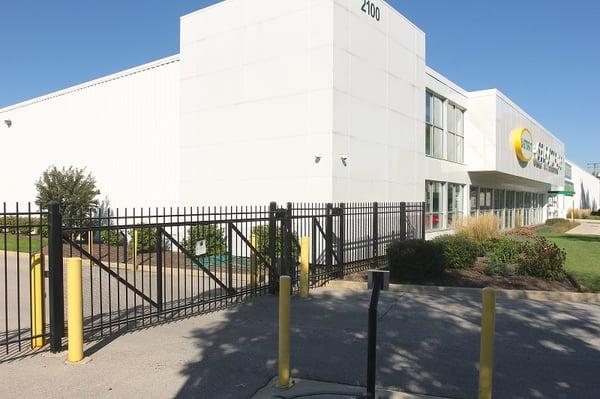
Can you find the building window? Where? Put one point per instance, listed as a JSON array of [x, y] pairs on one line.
[[433, 205], [473, 203], [455, 202], [456, 139], [434, 125], [568, 171]]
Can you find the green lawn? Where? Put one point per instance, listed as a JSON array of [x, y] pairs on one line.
[[9, 242], [583, 257]]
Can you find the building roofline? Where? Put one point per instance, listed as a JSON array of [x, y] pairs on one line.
[[95, 82], [504, 97], [444, 80]]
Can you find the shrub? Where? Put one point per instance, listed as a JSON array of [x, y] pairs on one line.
[[112, 237], [25, 225], [415, 259], [213, 234], [146, 239], [478, 228], [262, 241], [596, 213], [579, 213], [525, 232], [506, 250], [543, 259], [459, 251], [499, 269], [560, 225], [74, 190]]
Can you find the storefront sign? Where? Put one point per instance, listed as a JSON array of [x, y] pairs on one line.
[[523, 144], [543, 156]]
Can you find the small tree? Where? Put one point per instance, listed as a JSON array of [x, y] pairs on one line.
[[71, 187]]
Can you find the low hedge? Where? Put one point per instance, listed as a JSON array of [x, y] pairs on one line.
[[415, 259], [459, 251]]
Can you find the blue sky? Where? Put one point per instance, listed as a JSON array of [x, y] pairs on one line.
[[543, 54]]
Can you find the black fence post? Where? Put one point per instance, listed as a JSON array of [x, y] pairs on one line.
[[329, 238], [56, 300], [342, 240], [372, 335], [376, 233], [403, 221], [272, 248], [290, 261], [423, 220], [159, 268], [230, 256]]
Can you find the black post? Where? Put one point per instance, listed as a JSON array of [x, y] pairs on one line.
[[230, 256], [313, 250], [284, 256], [376, 233], [56, 300], [272, 248], [329, 238], [159, 269], [372, 335], [423, 220], [403, 221], [289, 237], [342, 238]]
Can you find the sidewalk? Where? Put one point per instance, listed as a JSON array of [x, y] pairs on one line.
[[428, 345], [586, 227]]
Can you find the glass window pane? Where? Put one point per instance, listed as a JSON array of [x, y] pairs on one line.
[[473, 203], [460, 121], [438, 142], [451, 147], [428, 100], [428, 140], [437, 112], [451, 118], [460, 149]]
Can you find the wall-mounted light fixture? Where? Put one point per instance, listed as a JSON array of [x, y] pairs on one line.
[[344, 158], [318, 158], [8, 122]]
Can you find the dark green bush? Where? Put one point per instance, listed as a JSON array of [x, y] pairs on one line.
[[499, 269], [552, 222], [506, 250], [262, 240], [146, 239], [543, 259], [25, 226], [596, 213], [213, 234], [415, 259], [112, 237], [459, 251]]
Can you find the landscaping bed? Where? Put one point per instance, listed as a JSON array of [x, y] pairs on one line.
[[476, 278], [480, 255]]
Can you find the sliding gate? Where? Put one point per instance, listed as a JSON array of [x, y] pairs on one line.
[[152, 265]]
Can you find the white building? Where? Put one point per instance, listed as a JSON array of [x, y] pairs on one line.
[[296, 100]]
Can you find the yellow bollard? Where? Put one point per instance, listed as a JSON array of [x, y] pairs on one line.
[[304, 250], [488, 327], [37, 300], [253, 263], [135, 249], [285, 284], [74, 311]]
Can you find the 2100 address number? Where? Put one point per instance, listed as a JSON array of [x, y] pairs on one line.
[[371, 9]]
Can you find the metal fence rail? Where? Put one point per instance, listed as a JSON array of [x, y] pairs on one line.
[[151, 265]]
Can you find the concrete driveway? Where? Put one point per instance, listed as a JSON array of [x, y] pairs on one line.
[[428, 344]]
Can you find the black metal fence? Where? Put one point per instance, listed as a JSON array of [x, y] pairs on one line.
[[143, 266]]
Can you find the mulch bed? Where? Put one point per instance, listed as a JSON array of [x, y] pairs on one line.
[[476, 278]]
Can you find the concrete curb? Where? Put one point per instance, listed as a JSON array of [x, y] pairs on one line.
[[555, 296]]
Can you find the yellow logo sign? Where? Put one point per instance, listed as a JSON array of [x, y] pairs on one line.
[[523, 144]]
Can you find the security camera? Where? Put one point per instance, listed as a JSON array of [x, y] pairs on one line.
[[8, 122]]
